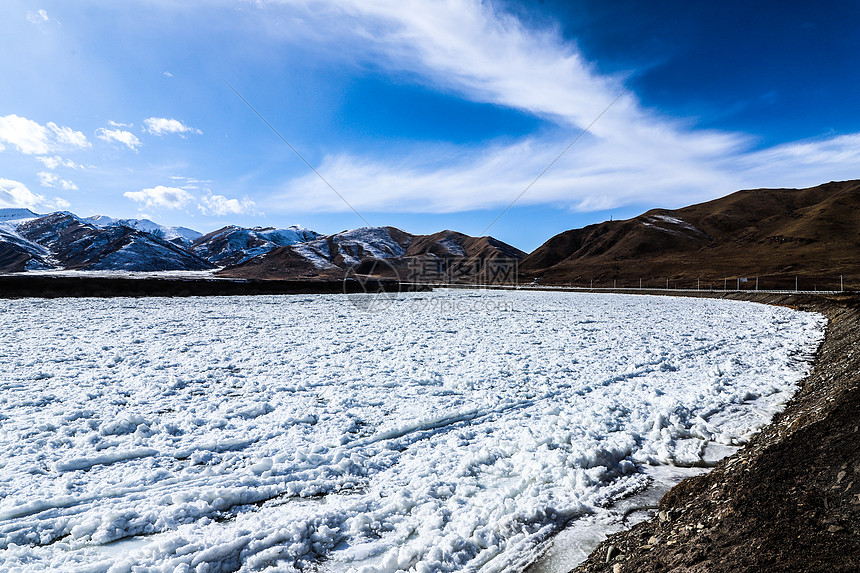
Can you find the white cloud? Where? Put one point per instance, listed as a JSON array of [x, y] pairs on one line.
[[802, 163], [68, 136], [32, 138], [168, 75], [38, 17], [161, 197], [127, 138], [163, 125], [47, 179], [57, 204], [493, 178], [16, 194], [471, 47], [220, 205], [442, 182], [113, 123], [26, 135], [630, 155], [57, 161]]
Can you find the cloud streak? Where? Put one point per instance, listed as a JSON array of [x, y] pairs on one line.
[[631, 155]]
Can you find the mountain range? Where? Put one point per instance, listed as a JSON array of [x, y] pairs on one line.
[[778, 236], [63, 240], [440, 257]]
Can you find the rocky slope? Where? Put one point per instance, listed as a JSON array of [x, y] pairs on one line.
[[789, 500], [774, 234]]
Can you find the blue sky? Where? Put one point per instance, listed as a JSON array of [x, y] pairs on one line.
[[422, 115]]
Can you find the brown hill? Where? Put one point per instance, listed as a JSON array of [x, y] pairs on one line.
[[773, 234]]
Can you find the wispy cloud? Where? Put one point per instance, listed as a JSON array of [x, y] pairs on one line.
[[126, 138], [161, 197], [632, 155], [32, 138], [163, 125], [189, 183], [39, 16], [15, 194]]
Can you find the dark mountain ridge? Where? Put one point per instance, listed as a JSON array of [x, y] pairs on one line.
[[405, 255], [774, 233]]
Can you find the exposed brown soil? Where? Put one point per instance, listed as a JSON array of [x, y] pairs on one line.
[[789, 500], [773, 234]]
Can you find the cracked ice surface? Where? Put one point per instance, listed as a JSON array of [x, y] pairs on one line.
[[456, 430]]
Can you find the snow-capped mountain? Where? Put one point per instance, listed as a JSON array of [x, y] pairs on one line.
[[234, 245], [179, 235], [64, 240], [15, 215]]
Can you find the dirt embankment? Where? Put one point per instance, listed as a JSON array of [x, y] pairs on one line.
[[789, 500], [23, 286]]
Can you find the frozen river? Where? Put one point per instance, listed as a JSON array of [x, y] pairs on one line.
[[454, 431]]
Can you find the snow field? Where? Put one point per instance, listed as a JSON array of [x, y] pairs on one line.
[[287, 432]]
